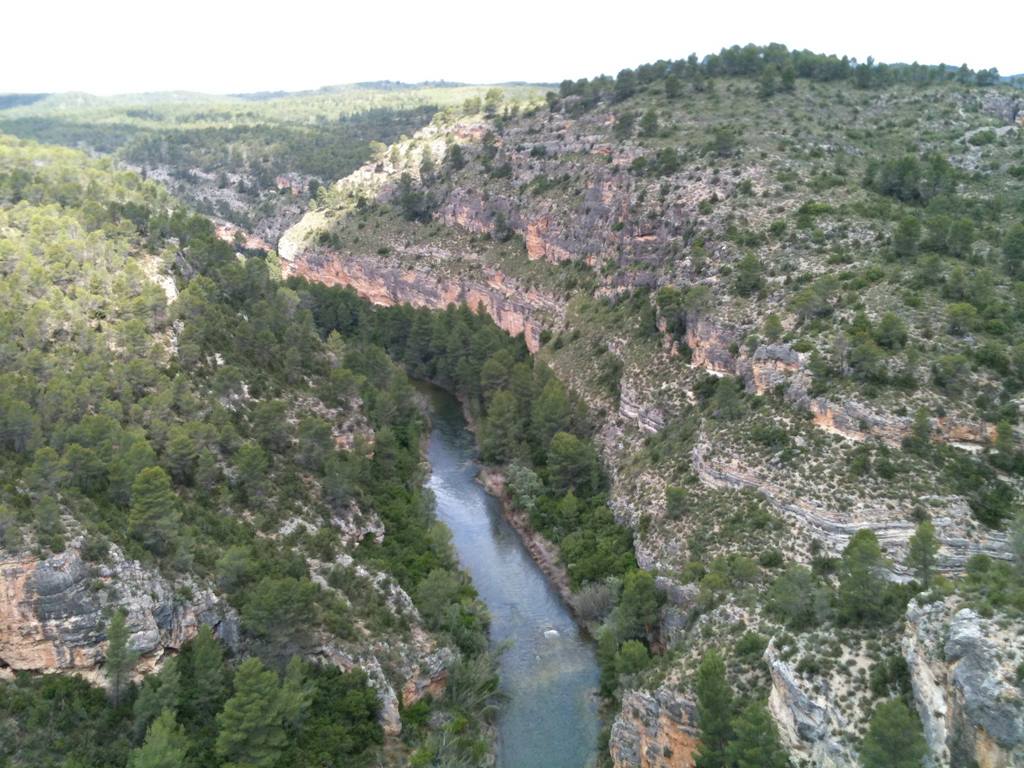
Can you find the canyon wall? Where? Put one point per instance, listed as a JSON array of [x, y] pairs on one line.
[[654, 730], [963, 669], [386, 282]]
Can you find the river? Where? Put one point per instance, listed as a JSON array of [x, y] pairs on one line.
[[549, 672]]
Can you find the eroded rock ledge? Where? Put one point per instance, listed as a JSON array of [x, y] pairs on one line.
[[387, 283], [959, 539], [54, 611]]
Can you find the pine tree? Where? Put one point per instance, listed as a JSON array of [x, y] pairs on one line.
[[640, 604], [921, 555], [296, 694], [251, 734], [154, 516], [757, 740], [166, 745], [714, 711], [158, 693], [550, 413], [501, 429], [120, 658], [894, 738], [861, 586], [649, 123], [208, 685]]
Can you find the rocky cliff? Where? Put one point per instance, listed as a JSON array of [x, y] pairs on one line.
[[964, 672], [383, 281], [807, 723], [654, 730], [54, 611]]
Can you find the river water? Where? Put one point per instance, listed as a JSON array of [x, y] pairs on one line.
[[549, 672]]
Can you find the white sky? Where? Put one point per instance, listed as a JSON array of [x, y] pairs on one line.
[[222, 46]]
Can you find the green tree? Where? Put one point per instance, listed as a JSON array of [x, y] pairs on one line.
[[769, 84], [270, 426], [919, 440], [773, 329], [180, 454], [756, 744], [906, 237], [788, 78], [714, 712], [861, 585], [798, 598], [924, 547], [891, 332], [208, 681], [673, 87], [894, 738], [572, 465], [632, 657], [1013, 249], [640, 603], [649, 123], [280, 612], [500, 435], [524, 486], [251, 732], [166, 745], [454, 158], [296, 695], [19, 426], [120, 658], [252, 463], [727, 402], [154, 518], [550, 413], [158, 693], [748, 275]]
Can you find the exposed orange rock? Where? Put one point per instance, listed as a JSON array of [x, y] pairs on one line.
[[227, 231], [416, 689], [538, 246], [514, 310], [656, 730]]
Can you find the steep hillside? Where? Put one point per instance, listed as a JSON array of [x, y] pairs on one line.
[[201, 489], [788, 288]]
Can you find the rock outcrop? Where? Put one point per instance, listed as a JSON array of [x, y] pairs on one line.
[[654, 730], [513, 308], [833, 526], [772, 367], [806, 724], [963, 670], [54, 611]]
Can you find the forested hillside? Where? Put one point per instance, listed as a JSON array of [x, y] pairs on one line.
[[183, 450]]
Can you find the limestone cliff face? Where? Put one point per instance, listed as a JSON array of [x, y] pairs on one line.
[[963, 671], [654, 730], [806, 723], [54, 611], [388, 282]]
